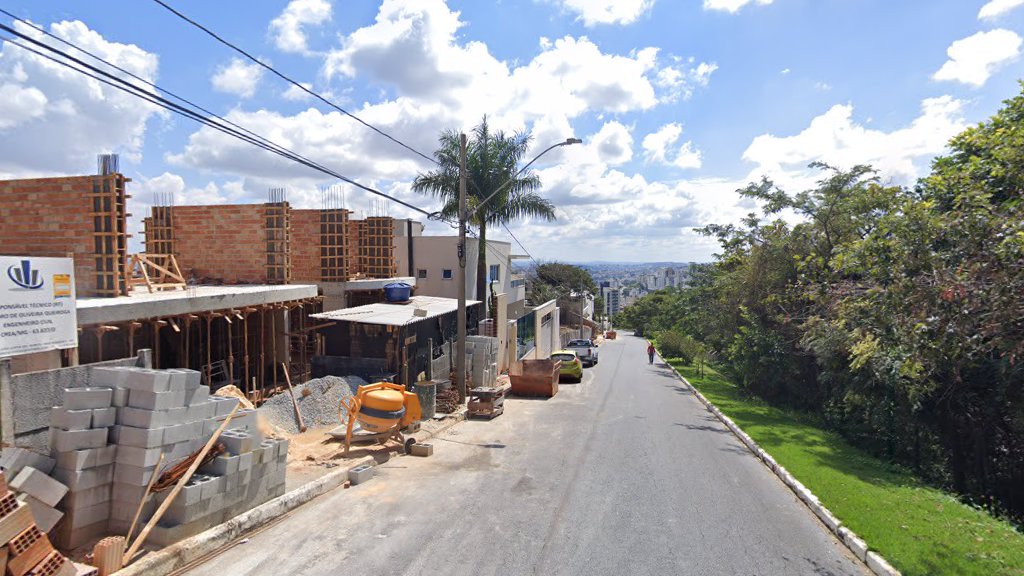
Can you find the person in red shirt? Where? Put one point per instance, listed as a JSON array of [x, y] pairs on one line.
[[650, 353]]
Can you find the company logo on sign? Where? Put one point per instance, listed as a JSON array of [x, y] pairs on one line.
[[24, 276], [62, 286]]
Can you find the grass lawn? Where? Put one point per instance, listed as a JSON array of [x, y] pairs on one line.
[[918, 529]]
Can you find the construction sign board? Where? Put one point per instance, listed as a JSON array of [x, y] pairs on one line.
[[37, 305]]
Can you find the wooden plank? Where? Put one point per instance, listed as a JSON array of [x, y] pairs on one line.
[[142, 503], [291, 392]]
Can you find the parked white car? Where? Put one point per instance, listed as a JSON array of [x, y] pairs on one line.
[[586, 350]]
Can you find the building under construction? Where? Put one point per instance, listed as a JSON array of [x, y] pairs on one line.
[[227, 290]]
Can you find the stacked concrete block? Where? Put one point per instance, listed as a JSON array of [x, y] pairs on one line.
[[107, 440], [165, 414], [79, 440], [249, 473], [482, 359]]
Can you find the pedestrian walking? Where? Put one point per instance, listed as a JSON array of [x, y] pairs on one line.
[[650, 353]]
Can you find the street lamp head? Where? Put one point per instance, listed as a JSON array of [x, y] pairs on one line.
[[573, 141]]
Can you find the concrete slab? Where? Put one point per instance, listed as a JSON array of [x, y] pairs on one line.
[[196, 299]]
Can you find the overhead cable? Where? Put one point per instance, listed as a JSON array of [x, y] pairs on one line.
[[139, 92], [280, 75]]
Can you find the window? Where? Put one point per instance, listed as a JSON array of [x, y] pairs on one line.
[[421, 273], [495, 272], [446, 274]]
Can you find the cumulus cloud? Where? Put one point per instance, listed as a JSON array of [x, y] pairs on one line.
[[996, 8], [837, 139], [680, 81], [614, 143], [731, 6], [974, 59], [411, 47], [288, 29], [660, 147], [53, 120], [596, 12], [295, 94], [237, 77]]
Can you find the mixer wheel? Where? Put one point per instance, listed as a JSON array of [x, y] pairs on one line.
[[408, 445]]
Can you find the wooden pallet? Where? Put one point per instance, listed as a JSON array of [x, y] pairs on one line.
[[487, 402]]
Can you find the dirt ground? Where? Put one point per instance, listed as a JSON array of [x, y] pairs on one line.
[[314, 454]]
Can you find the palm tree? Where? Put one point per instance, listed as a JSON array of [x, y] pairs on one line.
[[492, 160]]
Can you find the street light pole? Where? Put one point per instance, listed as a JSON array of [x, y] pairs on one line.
[[460, 348], [464, 216], [568, 142]]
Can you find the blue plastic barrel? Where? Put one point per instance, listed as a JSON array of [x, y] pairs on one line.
[[397, 292]]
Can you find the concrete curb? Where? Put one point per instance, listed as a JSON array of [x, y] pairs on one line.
[[856, 545], [182, 553]]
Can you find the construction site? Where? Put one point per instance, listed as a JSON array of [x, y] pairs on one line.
[[246, 350]]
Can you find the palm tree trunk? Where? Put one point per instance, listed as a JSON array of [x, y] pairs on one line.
[[481, 269]]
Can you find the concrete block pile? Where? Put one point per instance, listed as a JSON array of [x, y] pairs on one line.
[[482, 360], [108, 438]]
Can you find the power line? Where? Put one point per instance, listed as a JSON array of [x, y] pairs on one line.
[[274, 71], [135, 90]]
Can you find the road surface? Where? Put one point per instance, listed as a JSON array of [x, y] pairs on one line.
[[625, 473]]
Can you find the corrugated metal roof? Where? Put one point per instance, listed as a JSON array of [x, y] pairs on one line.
[[396, 314]]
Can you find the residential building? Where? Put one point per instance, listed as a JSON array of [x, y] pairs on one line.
[[435, 261], [612, 302]]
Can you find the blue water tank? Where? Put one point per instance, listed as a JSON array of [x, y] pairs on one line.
[[397, 292]]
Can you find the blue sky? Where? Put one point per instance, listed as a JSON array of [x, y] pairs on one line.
[[678, 103]]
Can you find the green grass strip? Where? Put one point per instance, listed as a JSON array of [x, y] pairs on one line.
[[919, 529]]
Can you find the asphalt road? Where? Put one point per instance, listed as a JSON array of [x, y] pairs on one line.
[[625, 473]]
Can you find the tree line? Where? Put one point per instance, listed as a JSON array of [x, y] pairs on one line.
[[895, 313]]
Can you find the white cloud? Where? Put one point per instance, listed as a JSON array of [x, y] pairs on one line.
[[295, 94], [835, 138], [680, 81], [288, 29], [996, 8], [18, 104], [613, 143], [974, 59], [412, 47], [731, 6], [658, 147], [595, 12], [54, 121], [238, 77]]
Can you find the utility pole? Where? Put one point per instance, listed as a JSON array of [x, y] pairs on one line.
[[460, 345]]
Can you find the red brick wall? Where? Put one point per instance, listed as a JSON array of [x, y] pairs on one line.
[[305, 246], [50, 217], [221, 243]]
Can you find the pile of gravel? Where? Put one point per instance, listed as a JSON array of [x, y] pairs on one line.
[[319, 407]]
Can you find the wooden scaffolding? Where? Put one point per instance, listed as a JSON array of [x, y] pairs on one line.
[[278, 231], [110, 237], [334, 245], [377, 247]]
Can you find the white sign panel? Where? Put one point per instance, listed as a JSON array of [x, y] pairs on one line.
[[37, 305]]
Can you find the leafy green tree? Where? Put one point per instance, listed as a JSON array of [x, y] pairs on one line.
[[558, 281], [492, 161], [894, 314]]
